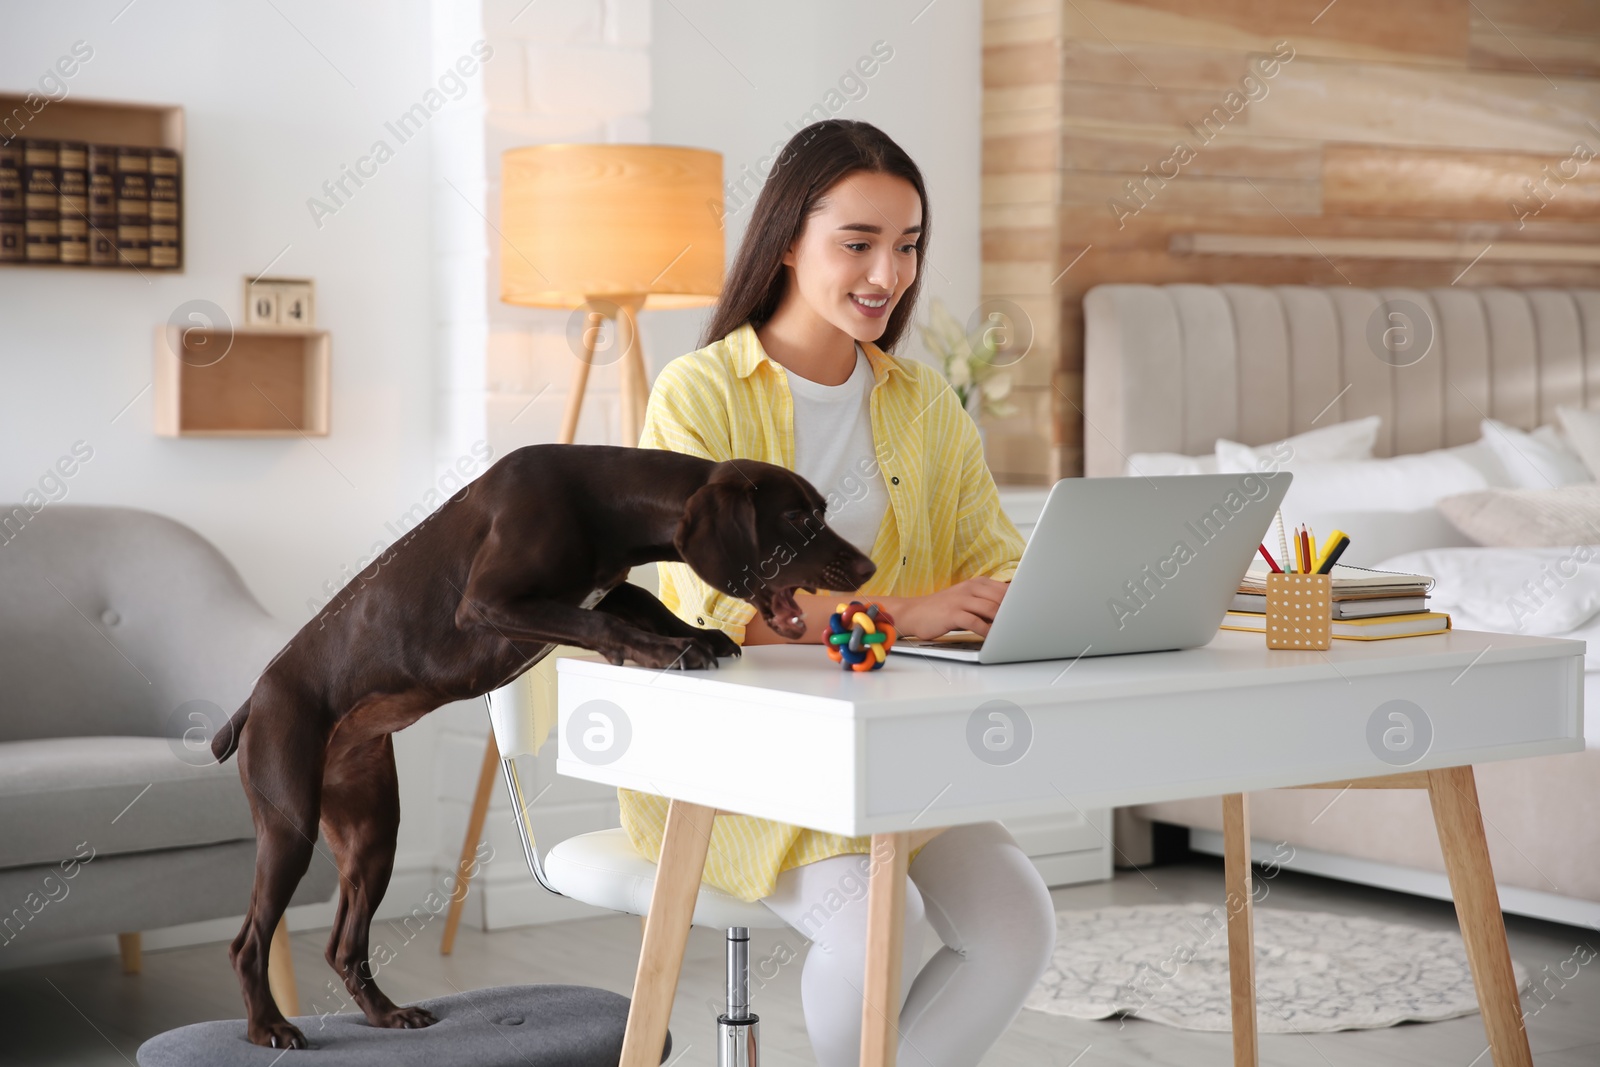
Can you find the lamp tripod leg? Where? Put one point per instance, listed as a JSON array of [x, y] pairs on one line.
[[469, 845], [635, 382], [580, 381]]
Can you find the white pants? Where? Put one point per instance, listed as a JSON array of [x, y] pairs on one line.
[[988, 905]]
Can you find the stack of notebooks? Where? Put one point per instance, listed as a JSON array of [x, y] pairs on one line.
[[1368, 605], [90, 205]]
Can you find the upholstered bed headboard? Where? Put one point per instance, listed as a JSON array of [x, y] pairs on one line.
[[1171, 368]]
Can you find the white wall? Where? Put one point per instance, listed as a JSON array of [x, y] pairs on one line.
[[577, 70], [734, 78], [426, 360], [633, 71], [269, 119], [738, 77]]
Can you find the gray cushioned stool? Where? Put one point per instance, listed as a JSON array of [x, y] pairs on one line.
[[506, 1026]]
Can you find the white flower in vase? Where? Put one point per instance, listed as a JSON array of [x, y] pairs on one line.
[[968, 364]]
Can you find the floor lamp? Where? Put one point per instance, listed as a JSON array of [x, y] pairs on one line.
[[603, 231]]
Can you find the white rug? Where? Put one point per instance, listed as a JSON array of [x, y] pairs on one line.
[[1315, 972]]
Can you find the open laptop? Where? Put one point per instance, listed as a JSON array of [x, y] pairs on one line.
[[1124, 565]]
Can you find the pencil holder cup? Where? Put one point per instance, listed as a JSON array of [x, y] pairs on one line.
[[1299, 611]]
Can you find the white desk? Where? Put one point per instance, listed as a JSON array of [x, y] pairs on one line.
[[785, 734]]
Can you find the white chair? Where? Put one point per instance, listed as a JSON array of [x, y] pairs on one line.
[[603, 869]]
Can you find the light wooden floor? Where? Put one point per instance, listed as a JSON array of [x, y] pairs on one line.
[[88, 1013]]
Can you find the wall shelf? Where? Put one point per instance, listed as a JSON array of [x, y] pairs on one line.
[[97, 121], [101, 122], [241, 382]]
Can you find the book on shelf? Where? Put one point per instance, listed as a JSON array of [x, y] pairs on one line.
[[13, 217], [82, 204], [102, 169], [164, 208], [72, 205], [133, 206], [41, 197], [1378, 628]]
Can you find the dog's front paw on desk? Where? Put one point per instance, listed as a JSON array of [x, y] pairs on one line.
[[720, 644], [671, 653]]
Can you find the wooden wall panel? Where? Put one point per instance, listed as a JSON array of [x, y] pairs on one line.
[[1442, 184], [1428, 32], [1193, 194], [1091, 150], [1152, 66], [1414, 121], [1366, 102], [1552, 36], [1021, 63], [1022, 77], [1435, 29]]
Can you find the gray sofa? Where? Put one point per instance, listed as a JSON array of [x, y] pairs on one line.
[[120, 631]]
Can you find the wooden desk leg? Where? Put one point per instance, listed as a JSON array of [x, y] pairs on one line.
[[129, 946], [1241, 928], [886, 933], [666, 931], [1453, 792], [280, 971]]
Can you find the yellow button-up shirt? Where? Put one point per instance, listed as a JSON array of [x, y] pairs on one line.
[[943, 525]]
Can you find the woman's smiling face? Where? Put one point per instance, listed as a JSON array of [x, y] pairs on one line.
[[857, 255]]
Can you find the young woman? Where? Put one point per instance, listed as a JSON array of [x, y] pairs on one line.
[[796, 370]]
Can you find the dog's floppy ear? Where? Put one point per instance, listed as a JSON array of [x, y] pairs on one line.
[[717, 534]]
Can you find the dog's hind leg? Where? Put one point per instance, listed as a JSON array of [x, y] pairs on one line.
[[282, 786], [361, 819]]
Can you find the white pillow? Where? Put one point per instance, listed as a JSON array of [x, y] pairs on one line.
[[1569, 515], [1151, 464], [1538, 460], [1351, 440], [1583, 434], [1343, 440], [1403, 483], [1483, 457]]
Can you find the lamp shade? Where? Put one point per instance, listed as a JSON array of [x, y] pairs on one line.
[[579, 221]]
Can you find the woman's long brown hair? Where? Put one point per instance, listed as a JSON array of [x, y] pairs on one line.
[[814, 159]]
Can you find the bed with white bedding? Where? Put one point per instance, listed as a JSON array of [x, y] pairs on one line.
[[1469, 455]]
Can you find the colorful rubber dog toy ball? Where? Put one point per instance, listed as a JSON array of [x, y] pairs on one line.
[[860, 636]]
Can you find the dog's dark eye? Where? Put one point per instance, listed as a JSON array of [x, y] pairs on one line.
[[792, 515]]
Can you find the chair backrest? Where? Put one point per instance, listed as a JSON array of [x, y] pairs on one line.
[[116, 621], [520, 729]]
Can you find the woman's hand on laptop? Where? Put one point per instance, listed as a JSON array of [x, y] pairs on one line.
[[968, 605]]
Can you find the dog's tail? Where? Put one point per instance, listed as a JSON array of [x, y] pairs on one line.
[[226, 740]]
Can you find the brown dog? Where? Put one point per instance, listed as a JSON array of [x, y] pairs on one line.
[[532, 554]]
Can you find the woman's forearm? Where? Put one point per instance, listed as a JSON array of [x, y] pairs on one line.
[[816, 607]]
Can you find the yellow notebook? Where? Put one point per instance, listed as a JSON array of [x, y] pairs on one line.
[[1378, 628]]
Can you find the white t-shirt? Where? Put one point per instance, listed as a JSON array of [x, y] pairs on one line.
[[833, 451]]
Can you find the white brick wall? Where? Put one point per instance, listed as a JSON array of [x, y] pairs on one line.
[[575, 70], [562, 70]]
